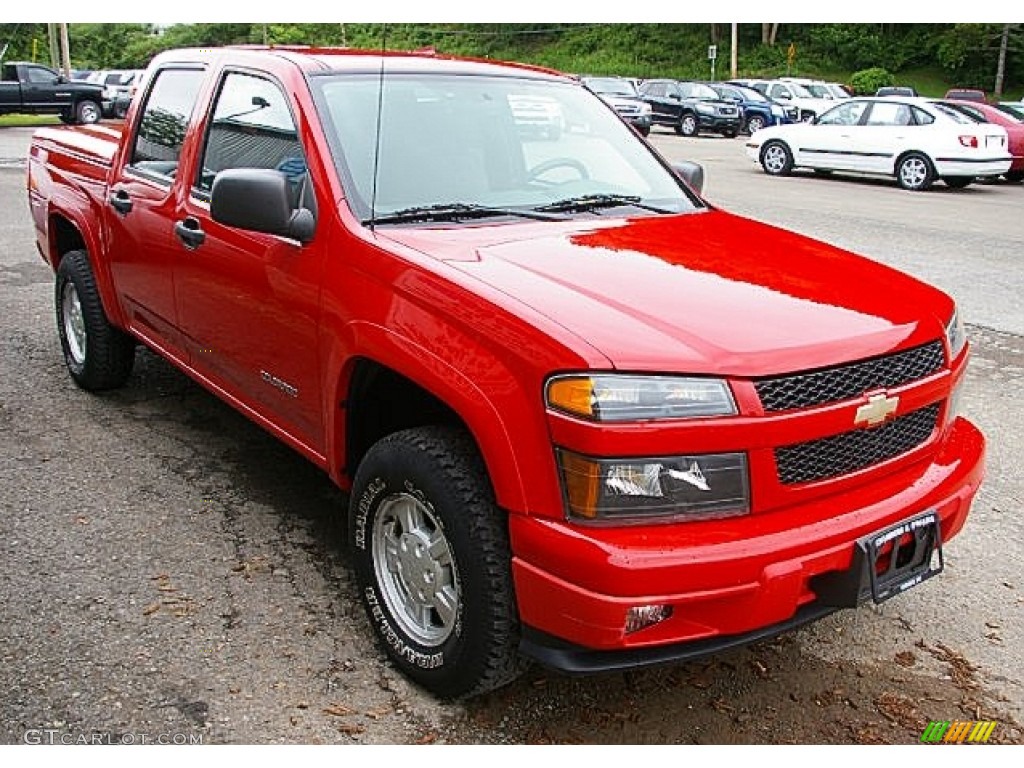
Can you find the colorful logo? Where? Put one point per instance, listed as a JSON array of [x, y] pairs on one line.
[[957, 732]]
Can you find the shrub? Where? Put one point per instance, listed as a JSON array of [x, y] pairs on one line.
[[867, 81]]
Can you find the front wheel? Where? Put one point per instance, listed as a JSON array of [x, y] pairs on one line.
[[98, 355], [776, 159], [754, 124], [433, 562], [688, 125], [914, 172]]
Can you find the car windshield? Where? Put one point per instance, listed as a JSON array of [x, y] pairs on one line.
[[799, 91], [448, 144], [610, 86], [752, 95], [819, 91], [701, 91]]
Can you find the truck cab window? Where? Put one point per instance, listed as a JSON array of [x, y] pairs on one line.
[[164, 120], [251, 127]]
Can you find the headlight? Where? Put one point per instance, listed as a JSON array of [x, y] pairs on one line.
[[705, 109], [619, 397], [956, 336], [654, 489]]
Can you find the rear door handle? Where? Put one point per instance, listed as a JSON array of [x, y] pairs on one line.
[[120, 201], [190, 232]]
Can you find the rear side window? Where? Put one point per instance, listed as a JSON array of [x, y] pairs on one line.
[[164, 121], [251, 127]]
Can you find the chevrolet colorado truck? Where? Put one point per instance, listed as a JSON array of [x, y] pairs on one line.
[[32, 89], [585, 417]]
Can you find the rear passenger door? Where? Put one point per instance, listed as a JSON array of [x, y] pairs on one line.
[[140, 208], [249, 302]]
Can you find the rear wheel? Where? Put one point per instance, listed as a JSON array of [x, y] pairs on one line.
[[914, 172], [1014, 177], [958, 182], [776, 159], [88, 112], [98, 355], [433, 562]]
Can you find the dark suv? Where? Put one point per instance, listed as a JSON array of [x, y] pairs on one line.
[[758, 111], [690, 108]]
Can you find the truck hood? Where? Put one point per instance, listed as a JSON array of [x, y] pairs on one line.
[[706, 292]]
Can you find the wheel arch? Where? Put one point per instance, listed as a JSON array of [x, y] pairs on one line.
[[428, 391], [66, 232], [912, 151]]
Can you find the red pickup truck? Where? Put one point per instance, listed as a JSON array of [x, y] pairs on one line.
[[586, 418]]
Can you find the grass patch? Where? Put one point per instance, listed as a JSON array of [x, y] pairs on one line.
[[27, 121], [927, 81]]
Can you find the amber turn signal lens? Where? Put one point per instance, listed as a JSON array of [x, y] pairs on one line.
[[582, 483], [572, 394]]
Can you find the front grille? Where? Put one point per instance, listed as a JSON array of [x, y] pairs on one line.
[[842, 454], [829, 385]]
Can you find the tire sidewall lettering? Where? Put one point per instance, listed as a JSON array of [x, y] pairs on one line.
[[393, 637]]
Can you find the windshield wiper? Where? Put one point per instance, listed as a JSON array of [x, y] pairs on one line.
[[594, 202], [455, 212]]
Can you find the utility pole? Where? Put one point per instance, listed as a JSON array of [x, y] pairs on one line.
[[734, 52], [51, 37], [66, 53]]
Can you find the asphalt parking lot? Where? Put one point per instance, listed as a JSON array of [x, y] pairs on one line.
[[171, 572]]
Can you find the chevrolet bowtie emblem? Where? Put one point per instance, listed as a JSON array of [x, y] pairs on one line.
[[876, 410]]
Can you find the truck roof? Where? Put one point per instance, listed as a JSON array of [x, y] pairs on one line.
[[351, 60]]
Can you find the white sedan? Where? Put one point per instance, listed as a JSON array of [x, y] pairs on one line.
[[913, 139]]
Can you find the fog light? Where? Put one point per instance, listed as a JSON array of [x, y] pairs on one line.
[[643, 616]]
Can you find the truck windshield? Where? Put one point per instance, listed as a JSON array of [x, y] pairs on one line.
[[500, 143]]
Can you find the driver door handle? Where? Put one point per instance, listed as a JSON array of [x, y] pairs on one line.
[[120, 201], [190, 232]]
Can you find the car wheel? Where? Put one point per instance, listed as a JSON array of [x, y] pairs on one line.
[[433, 562], [88, 112], [688, 125], [914, 172], [98, 355], [958, 182], [645, 132], [776, 159], [754, 124], [730, 134], [1014, 177], [67, 118]]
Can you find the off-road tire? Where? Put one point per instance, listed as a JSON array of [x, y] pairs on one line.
[[98, 356], [438, 472]]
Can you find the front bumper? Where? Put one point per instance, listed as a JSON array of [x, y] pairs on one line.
[[719, 122], [728, 581]]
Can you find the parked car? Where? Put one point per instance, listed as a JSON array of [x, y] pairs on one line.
[[820, 89], [690, 108], [985, 113], [583, 416], [915, 140], [966, 94], [808, 106], [896, 90], [757, 109], [112, 81], [124, 91], [1014, 108], [33, 89], [622, 96]]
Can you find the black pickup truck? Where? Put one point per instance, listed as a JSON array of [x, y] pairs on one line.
[[33, 89]]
